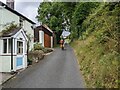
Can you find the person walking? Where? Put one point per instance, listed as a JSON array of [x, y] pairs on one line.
[[62, 44]]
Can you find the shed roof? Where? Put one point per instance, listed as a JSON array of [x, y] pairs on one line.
[[45, 26]]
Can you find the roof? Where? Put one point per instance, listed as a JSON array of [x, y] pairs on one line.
[[15, 12], [11, 32], [46, 27]]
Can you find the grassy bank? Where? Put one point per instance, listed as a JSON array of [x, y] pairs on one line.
[[98, 48]]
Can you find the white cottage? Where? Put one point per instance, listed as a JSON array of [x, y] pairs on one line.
[[14, 50], [13, 45]]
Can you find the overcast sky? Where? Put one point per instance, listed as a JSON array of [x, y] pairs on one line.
[[27, 7]]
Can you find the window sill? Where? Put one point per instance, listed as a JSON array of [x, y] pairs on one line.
[[7, 54]]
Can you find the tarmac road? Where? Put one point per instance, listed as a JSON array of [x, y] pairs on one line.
[[57, 70]]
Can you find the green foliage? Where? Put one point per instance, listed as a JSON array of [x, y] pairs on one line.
[[9, 28], [38, 46], [54, 14], [98, 49], [82, 10], [61, 15], [37, 53], [97, 26]]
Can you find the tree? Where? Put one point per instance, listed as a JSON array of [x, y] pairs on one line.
[[56, 15], [82, 10], [67, 16]]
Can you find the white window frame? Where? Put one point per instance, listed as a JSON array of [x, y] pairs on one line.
[[22, 47], [7, 46]]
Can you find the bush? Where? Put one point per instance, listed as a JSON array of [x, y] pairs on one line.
[[38, 46], [37, 53], [35, 56]]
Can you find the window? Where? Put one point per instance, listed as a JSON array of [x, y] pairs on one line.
[[19, 47], [4, 45], [7, 45], [21, 21]]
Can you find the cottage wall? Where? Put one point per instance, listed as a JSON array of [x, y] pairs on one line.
[[7, 17], [29, 31], [5, 63]]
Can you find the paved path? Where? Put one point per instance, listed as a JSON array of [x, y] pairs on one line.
[[58, 70]]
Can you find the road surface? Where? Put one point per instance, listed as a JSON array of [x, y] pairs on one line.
[[57, 70]]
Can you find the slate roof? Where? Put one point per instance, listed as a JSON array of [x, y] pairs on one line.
[[11, 32]]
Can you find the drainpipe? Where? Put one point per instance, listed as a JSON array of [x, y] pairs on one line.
[[12, 53]]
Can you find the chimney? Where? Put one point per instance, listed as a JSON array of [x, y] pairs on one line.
[[10, 3]]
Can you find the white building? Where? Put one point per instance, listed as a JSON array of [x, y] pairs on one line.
[[13, 45]]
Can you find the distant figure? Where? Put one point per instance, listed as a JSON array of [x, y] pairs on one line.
[[62, 44]]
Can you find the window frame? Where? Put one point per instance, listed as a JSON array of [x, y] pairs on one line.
[[7, 49], [18, 47], [7, 46]]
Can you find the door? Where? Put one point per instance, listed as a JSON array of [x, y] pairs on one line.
[[20, 56], [47, 40]]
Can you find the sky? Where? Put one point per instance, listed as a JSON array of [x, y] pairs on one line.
[[27, 8]]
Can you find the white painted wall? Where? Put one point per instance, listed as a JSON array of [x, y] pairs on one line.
[[5, 61], [51, 41], [29, 31], [25, 61], [7, 17], [0, 18], [41, 37], [6, 64], [24, 55]]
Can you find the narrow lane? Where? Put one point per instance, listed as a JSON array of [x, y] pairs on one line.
[[58, 70]]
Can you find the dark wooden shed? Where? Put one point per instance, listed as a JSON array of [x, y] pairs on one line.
[[44, 35]]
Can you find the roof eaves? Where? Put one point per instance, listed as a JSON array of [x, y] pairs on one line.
[[45, 26]]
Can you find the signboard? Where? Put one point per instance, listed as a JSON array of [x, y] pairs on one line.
[[65, 33]]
